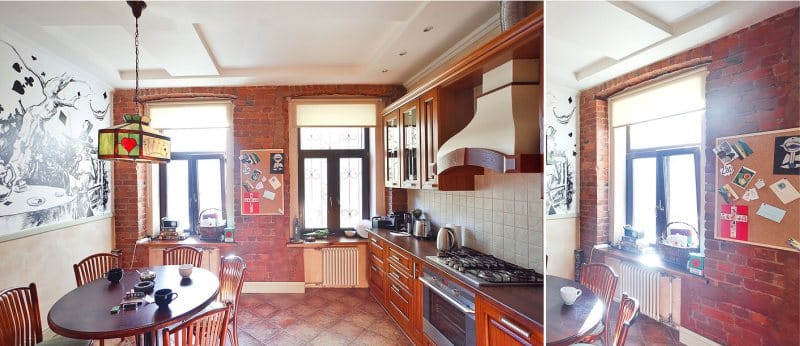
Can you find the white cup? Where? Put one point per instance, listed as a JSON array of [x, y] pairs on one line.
[[185, 270], [569, 294]]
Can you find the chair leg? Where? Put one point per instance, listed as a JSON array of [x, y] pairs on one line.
[[235, 333]]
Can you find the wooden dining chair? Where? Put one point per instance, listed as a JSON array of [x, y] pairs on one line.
[[183, 255], [94, 267], [628, 310], [20, 322], [205, 329], [231, 277], [602, 280]]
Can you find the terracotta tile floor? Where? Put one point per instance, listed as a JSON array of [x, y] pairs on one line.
[[646, 331], [318, 317]]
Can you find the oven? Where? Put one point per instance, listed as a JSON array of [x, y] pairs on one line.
[[448, 311]]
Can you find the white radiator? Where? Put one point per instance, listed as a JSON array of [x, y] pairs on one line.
[[653, 289], [340, 267]]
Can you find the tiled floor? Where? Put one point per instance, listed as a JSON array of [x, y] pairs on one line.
[[646, 331], [318, 317]]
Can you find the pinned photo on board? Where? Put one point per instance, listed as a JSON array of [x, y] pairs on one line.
[[743, 177], [276, 163], [725, 152], [787, 155]]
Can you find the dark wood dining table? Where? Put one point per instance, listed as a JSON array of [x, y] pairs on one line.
[[84, 313], [567, 324]]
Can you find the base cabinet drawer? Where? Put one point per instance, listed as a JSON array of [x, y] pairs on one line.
[[498, 327]]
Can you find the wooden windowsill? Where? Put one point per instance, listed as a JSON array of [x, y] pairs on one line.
[[330, 241], [191, 241], [651, 260]]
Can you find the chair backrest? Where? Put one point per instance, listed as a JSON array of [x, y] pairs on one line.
[[628, 310], [20, 324], [206, 329], [602, 280], [231, 277], [183, 255], [94, 267]]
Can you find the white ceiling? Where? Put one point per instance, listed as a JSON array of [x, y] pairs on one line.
[[249, 43], [589, 42]]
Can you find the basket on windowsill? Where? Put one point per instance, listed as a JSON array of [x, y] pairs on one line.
[[673, 254], [212, 224]]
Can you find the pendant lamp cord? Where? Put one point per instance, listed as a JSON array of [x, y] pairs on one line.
[[136, 44]]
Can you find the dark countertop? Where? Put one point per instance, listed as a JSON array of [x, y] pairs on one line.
[[527, 301]]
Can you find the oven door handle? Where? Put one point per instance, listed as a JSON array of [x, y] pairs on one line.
[[436, 290]]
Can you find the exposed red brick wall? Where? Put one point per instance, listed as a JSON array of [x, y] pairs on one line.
[[753, 294], [396, 200], [260, 121]]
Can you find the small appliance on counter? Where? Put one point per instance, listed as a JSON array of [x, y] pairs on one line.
[[422, 229], [384, 222], [169, 230], [399, 221]]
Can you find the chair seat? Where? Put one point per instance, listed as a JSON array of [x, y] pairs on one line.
[[64, 341]]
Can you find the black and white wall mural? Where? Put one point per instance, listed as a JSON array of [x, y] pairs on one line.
[[560, 173], [49, 117]]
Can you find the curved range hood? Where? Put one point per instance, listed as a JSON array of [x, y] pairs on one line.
[[504, 134]]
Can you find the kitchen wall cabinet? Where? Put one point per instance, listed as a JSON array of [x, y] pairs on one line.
[[391, 147], [410, 145], [429, 135], [497, 326]]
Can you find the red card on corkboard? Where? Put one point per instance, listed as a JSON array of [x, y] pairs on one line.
[[733, 221]]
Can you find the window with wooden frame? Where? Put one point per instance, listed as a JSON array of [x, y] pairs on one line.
[[334, 179]]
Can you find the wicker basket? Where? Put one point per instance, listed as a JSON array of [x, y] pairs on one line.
[[215, 232], [674, 254]]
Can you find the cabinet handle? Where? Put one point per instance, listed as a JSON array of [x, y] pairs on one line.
[[397, 291], [394, 275], [515, 327], [395, 258]]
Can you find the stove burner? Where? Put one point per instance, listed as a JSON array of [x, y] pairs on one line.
[[486, 268]]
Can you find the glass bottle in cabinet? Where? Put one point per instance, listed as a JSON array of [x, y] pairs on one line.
[[410, 143], [391, 136]]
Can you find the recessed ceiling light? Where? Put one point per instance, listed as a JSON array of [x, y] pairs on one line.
[[403, 53], [427, 29], [384, 70]]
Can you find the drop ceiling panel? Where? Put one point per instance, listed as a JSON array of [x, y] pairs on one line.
[[612, 31], [672, 11]]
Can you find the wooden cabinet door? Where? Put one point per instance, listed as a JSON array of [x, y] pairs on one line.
[[376, 268], [410, 145], [499, 327], [429, 118], [391, 149]]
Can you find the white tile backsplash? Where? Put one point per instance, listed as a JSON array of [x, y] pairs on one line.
[[502, 217]]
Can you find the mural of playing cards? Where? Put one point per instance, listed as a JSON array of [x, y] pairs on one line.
[[262, 181], [49, 116], [733, 221]]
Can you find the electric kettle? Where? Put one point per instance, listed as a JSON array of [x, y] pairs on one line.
[[445, 240]]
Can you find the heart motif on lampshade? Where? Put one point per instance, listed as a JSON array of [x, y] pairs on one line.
[[128, 143]]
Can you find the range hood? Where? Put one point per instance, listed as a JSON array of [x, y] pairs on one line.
[[504, 133]]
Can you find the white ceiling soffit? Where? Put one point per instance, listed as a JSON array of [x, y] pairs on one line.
[[588, 43], [210, 43]]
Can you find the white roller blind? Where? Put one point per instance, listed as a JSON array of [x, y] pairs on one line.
[[190, 115], [677, 95], [336, 114]]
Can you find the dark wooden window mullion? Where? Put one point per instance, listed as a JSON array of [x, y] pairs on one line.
[[661, 201], [334, 204], [194, 212]]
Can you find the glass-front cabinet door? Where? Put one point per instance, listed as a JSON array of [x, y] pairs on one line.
[[429, 119], [410, 142], [391, 138]]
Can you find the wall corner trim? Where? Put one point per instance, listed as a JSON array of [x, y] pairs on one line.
[[274, 287], [691, 338]]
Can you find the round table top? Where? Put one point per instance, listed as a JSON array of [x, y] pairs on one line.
[[568, 324], [84, 313]]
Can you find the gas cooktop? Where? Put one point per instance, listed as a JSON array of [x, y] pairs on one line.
[[479, 269]]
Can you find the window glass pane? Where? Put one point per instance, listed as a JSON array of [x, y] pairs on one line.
[[209, 188], [644, 197], [620, 164], [325, 138], [392, 150], [351, 187], [178, 192], [680, 183], [198, 140], [315, 202], [671, 131]]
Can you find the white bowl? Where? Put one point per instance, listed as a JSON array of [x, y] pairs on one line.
[[350, 233], [185, 270]]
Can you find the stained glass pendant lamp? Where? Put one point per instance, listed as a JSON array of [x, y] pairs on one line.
[[134, 140]]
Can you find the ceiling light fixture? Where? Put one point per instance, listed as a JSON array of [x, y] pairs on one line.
[[134, 140], [384, 70], [403, 53], [427, 29]]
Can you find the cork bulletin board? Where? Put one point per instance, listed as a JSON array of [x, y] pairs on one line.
[[262, 173], [757, 197]]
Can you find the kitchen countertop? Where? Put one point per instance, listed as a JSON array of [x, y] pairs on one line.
[[330, 241], [528, 301]]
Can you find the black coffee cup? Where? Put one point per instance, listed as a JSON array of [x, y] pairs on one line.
[[165, 296], [114, 275]]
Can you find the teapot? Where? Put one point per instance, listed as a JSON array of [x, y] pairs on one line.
[[446, 239]]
